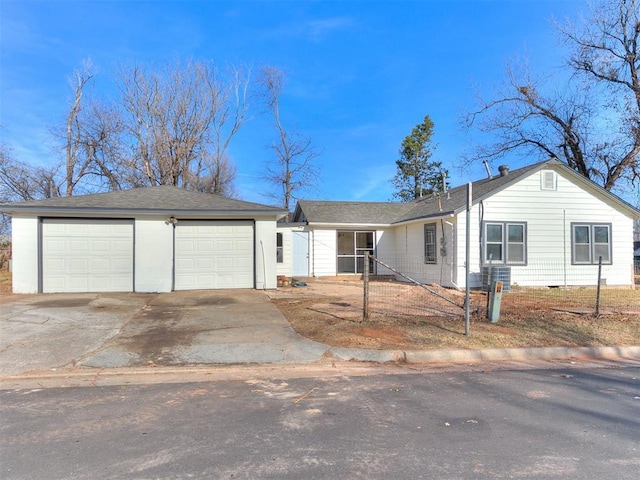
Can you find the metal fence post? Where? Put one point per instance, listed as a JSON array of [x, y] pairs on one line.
[[365, 300], [598, 286]]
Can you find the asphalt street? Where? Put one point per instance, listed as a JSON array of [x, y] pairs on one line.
[[581, 423]]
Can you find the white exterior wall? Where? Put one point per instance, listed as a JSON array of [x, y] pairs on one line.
[[410, 252], [324, 248], [286, 267], [475, 275], [24, 245], [323, 252], [548, 215], [153, 255], [265, 255]]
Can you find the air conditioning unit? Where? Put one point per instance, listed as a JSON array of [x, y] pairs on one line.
[[496, 273]]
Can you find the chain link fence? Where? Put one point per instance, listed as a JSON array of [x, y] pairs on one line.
[[405, 288]]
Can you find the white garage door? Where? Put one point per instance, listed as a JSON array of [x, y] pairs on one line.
[[213, 254], [87, 255]]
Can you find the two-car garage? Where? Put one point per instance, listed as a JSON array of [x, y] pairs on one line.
[[97, 255], [151, 239]]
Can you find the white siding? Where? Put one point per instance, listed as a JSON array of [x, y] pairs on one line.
[[265, 254], [548, 215], [324, 248], [154, 255], [409, 259], [324, 252], [24, 244], [284, 268]]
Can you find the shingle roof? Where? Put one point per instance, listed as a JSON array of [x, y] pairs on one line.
[[455, 199], [451, 202], [366, 213], [152, 199]]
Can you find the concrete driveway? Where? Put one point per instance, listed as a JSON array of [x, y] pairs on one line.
[[43, 332]]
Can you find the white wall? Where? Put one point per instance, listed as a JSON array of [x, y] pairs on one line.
[[265, 266], [324, 252], [548, 215], [153, 255], [24, 244], [409, 240], [284, 268], [153, 269], [324, 248]]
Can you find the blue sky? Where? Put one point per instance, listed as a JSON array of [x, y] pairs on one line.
[[360, 74]]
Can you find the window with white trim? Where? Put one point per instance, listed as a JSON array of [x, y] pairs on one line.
[[505, 243], [589, 242], [430, 243]]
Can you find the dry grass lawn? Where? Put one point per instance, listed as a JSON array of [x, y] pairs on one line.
[[5, 282], [330, 311]]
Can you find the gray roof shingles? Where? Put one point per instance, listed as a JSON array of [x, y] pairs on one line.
[[387, 213], [371, 213], [161, 198]]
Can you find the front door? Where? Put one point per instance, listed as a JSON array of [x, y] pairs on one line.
[[300, 254]]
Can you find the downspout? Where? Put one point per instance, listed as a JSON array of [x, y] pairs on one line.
[[452, 270], [264, 267]]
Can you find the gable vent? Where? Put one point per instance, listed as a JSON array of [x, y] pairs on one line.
[[548, 180]]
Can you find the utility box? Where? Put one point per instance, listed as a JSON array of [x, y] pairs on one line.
[[495, 298]]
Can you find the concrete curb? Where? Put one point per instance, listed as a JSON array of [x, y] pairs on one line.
[[492, 354], [367, 357]]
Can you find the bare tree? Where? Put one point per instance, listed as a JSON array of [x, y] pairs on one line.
[[76, 164], [592, 120], [214, 175], [182, 121], [293, 169], [22, 182]]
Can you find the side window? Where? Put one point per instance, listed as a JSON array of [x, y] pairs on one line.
[[505, 242], [589, 242], [279, 248], [430, 243]]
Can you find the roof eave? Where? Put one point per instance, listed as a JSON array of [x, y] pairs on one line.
[[128, 212], [348, 225], [432, 216]]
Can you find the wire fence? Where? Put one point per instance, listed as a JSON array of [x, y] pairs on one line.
[[406, 288]]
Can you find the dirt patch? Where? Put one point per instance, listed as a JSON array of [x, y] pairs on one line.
[[330, 311]]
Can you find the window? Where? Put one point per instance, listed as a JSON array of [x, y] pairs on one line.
[[589, 242], [352, 247], [279, 248], [430, 243], [505, 242]]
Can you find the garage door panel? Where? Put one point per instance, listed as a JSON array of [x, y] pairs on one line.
[[87, 255], [205, 246], [214, 254]]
